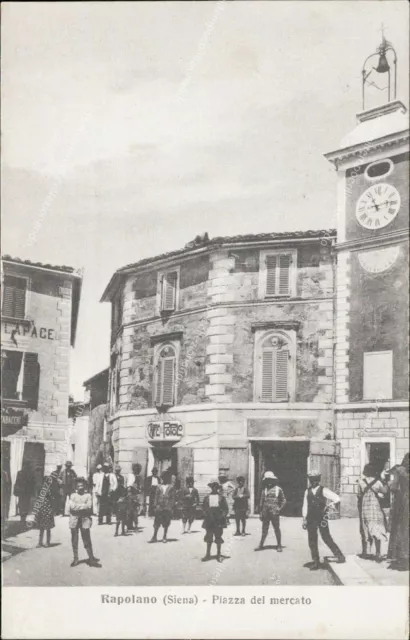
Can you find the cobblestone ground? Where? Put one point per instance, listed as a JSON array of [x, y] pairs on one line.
[[131, 561]]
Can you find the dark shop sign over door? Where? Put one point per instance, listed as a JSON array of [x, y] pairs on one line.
[[165, 431]]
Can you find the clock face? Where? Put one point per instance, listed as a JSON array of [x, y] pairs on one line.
[[378, 206], [379, 260]]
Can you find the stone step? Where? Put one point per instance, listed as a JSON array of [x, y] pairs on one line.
[[350, 573]]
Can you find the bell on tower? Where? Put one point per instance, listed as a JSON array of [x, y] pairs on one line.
[[386, 57]]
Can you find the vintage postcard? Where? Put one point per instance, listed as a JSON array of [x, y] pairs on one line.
[[204, 327]]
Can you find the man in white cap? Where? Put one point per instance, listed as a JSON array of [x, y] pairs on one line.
[[271, 504], [216, 512], [317, 502], [96, 498]]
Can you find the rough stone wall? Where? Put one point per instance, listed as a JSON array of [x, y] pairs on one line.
[[313, 349]]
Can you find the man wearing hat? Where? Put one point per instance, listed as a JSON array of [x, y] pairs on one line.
[[216, 511], [67, 487], [105, 489], [317, 502], [271, 504], [96, 499]]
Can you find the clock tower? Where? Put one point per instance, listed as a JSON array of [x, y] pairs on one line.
[[371, 347]]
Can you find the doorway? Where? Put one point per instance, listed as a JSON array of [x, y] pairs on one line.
[[289, 462], [165, 458], [34, 454]]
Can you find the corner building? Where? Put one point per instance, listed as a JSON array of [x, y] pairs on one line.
[[371, 356], [222, 358], [40, 306]]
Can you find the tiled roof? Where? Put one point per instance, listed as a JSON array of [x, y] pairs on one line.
[[221, 240], [40, 264]]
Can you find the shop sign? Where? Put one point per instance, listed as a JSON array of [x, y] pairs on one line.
[[12, 420], [165, 430]]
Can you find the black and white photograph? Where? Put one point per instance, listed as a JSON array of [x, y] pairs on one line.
[[205, 218]]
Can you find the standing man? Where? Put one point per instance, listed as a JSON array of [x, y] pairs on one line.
[[240, 498], [189, 498], [24, 490], [133, 479], [57, 473], [105, 490], [96, 499], [151, 486], [164, 506], [226, 489], [317, 503], [80, 505], [215, 509], [68, 480], [272, 502]]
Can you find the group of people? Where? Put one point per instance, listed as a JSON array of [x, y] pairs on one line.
[[374, 525], [109, 491]]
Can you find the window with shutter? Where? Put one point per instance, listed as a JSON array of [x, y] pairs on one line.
[[274, 374], [14, 297], [169, 291], [165, 377], [31, 380], [276, 278]]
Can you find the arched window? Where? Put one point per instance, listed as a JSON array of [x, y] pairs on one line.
[[165, 376], [275, 363]]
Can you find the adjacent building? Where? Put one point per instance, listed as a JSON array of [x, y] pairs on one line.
[[40, 306], [222, 358]]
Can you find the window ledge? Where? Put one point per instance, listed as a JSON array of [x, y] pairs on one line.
[[6, 402], [11, 320], [276, 324], [166, 337]]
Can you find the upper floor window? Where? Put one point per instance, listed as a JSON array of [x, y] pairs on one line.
[[14, 297], [378, 375], [277, 273], [116, 313], [115, 382], [20, 377], [168, 290], [275, 363], [165, 376]]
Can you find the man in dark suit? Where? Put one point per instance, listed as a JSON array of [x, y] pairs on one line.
[[151, 487]]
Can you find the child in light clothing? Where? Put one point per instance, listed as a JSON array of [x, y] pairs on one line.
[[272, 502]]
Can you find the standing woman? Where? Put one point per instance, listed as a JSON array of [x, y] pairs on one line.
[[45, 507], [398, 551], [373, 524]]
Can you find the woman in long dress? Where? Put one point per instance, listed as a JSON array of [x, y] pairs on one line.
[[45, 507], [399, 517], [373, 523]]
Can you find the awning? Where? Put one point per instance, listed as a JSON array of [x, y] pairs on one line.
[[198, 442]]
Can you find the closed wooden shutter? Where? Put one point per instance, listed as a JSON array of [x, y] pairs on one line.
[[281, 378], [14, 297], [284, 269], [168, 368], [270, 275], [278, 274], [169, 287], [31, 380], [158, 383], [267, 376], [324, 455]]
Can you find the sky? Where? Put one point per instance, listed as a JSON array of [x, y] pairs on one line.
[[130, 128]]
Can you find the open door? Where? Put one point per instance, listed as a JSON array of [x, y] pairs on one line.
[[325, 456]]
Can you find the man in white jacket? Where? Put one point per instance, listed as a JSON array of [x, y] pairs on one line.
[[105, 488], [96, 498]]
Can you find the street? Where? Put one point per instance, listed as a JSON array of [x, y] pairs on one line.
[[131, 561]]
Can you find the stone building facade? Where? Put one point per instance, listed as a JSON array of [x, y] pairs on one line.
[[371, 356], [39, 319], [222, 358]]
